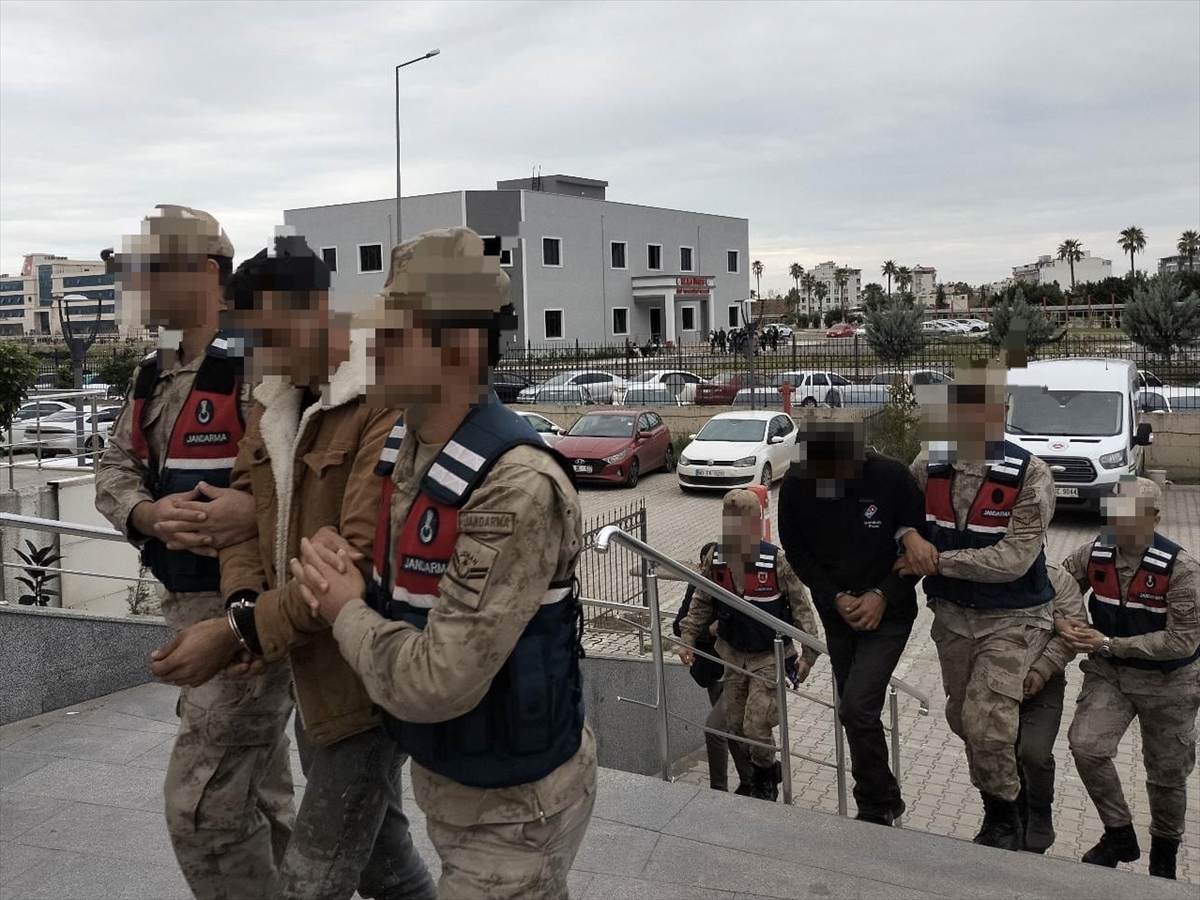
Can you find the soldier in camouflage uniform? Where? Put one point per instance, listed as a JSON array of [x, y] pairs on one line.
[[1143, 663], [228, 785], [988, 504], [468, 636], [758, 571]]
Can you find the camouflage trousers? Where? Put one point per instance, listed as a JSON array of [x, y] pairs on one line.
[[229, 784], [750, 707], [511, 861], [983, 677], [1165, 705]]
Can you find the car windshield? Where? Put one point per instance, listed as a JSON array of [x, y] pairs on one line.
[[65, 415], [726, 378], [603, 426], [1065, 413], [885, 378], [737, 430], [559, 380], [646, 376]]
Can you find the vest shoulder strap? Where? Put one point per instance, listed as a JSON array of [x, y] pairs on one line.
[[1011, 470], [1103, 552], [147, 375], [1160, 556]]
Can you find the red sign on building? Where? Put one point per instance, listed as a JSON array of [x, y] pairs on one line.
[[693, 285]]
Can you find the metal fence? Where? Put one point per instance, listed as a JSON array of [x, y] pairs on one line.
[[852, 357], [609, 576]]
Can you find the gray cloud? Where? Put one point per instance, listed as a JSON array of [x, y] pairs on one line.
[[969, 136]]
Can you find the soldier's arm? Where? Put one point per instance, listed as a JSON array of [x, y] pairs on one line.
[[797, 596], [494, 585], [1012, 556], [122, 479], [241, 564], [1181, 636], [281, 616], [701, 611], [1076, 565], [920, 473], [1068, 602]]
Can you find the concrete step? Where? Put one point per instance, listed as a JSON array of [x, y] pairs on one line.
[[651, 839]]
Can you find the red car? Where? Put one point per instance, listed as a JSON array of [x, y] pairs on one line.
[[618, 445], [841, 329], [720, 390]]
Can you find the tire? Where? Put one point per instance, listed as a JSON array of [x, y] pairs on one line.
[[809, 401], [767, 476], [94, 444], [631, 479], [669, 460]]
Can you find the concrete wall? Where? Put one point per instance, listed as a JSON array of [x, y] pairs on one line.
[[1176, 446], [51, 658]]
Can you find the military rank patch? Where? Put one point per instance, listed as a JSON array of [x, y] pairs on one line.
[[470, 568]]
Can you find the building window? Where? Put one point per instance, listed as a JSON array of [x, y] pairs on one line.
[[552, 251], [329, 255], [687, 316], [620, 320], [370, 258], [685, 259], [506, 257], [618, 255], [554, 324], [734, 319], [731, 261], [654, 257]]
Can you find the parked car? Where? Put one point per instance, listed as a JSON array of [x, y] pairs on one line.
[[56, 433], [549, 432], [1080, 417], [973, 326], [812, 388], [1169, 399], [1147, 379], [680, 385], [914, 377], [840, 330], [508, 385], [618, 445], [38, 409], [720, 390], [573, 387], [735, 449], [861, 330]]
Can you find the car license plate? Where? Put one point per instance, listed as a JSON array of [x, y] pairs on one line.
[[583, 469], [712, 473], [1066, 492]]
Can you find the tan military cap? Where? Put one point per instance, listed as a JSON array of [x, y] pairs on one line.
[[1141, 488], [441, 272], [743, 502], [179, 231]]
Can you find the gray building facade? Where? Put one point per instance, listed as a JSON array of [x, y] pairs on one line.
[[582, 268]]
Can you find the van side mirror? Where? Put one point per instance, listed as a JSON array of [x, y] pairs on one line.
[[1144, 436]]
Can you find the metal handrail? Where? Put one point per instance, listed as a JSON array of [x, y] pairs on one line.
[[55, 526]]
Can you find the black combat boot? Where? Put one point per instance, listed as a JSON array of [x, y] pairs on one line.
[[882, 817], [1001, 824], [745, 789], [1039, 829], [766, 782], [1162, 856], [1117, 845]]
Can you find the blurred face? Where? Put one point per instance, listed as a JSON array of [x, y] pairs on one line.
[[291, 335], [424, 363], [1130, 520], [174, 292], [975, 424], [741, 533]]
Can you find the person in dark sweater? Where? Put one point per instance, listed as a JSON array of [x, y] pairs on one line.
[[840, 507]]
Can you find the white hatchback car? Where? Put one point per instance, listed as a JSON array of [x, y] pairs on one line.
[[56, 433], [735, 449], [550, 433]]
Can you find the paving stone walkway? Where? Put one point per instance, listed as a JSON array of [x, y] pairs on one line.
[[934, 774]]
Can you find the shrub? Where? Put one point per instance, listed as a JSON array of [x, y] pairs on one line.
[[894, 331], [18, 370], [1161, 317]]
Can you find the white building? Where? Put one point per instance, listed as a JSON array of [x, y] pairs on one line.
[[29, 301], [1172, 265], [924, 285], [835, 297], [1051, 270]]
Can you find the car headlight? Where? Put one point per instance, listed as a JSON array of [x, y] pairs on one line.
[[617, 457], [1113, 460], [684, 461], [745, 461]]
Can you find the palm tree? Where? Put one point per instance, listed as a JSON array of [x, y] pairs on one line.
[[840, 277], [889, 270], [1189, 246], [904, 278], [797, 272], [1133, 240], [756, 267], [822, 291], [1072, 251], [809, 282]]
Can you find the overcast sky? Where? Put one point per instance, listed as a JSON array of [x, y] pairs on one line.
[[968, 136]]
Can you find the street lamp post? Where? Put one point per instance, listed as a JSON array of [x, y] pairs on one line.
[[428, 55]]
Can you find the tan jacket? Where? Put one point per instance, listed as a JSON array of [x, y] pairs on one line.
[[306, 473], [1056, 653], [521, 528]]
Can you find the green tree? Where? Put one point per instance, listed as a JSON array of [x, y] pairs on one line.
[[1189, 246], [833, 315], [1016, 324], [797, 272], [809, 282], [1133, 240], [1162, 317], [116, 369], [18, 370], [894, 331], [840, 277], [821, 289], [873, 296], [1072, 251], [940, 301], [904, 278], [756, 268], [889, 271]]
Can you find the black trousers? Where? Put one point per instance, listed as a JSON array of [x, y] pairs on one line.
[[863, 662], [1041, 716]]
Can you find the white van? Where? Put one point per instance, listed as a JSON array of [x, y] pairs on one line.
[[1080, 417]]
